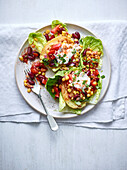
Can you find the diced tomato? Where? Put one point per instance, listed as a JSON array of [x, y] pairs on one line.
[[96, 72], [56, 46], [34, 70], [56, 29], [70, 77], [35, 54], [44, 81], [51, 52], [93, 83], [57, 95], [56, 89], [52, 57], [36, 64]]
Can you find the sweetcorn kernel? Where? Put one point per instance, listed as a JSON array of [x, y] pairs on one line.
[[83, 98], [25, 84], [67, 77], [75, 39], [70, 85], [21, 58], [69, 36], [39, 72], [35, 39], [63, 33], [29, 90], [77, 53], [72, 98], [44, 33], [56, 85], [74, 92], [25, 81], [77, 59], [52, 90], [69, 90], [81, 46], [91, 92], [88, 95], [63, 79], [43, 73], [47, 31]]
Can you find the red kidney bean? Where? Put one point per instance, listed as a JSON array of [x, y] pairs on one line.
[[61, 29], [97, 79], [31, 75], [25, 56], [88, 73], [75, 96], [31, 82], [31, 57], [47, 37], [78, 35], [41, 76], [84, 52], [77, 42], [74, 36], [29, 50], [52, 36]]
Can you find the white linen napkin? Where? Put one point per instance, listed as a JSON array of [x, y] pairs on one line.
[[112, 107]]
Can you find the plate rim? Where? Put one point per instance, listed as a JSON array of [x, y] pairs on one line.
[[74, 115]]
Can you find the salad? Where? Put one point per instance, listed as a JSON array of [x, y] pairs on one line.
[[75, 60]]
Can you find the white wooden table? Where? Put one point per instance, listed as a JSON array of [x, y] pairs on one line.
[[35, 146]]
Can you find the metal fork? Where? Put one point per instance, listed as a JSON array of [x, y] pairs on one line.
[[36, 90]]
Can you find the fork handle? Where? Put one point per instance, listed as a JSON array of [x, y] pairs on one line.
[[50, 118]]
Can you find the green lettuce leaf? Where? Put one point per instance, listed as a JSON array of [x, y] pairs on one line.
[[57, 22], [62, 103], [53, 80], [94, 99], [64, 108], [93, 43], [41, 41]]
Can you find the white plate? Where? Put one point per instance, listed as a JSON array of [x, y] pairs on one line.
[[50, 103]]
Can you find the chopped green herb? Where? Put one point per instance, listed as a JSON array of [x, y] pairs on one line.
[[87, 85], [45, 61], [103, 76], [84, 82], [94, 59], [74, 51], [64, 55], [78, 80], [55, 62], [74, 78], [83, 90], [77, 73]]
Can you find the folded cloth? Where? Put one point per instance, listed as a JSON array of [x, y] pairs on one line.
[[110, 109]]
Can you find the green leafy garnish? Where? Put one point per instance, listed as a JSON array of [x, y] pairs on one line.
[[87, 85], [74, 51], [74, 78], [103, 76], [45, 61], [84, 82], [55, 62], [94, 59]]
